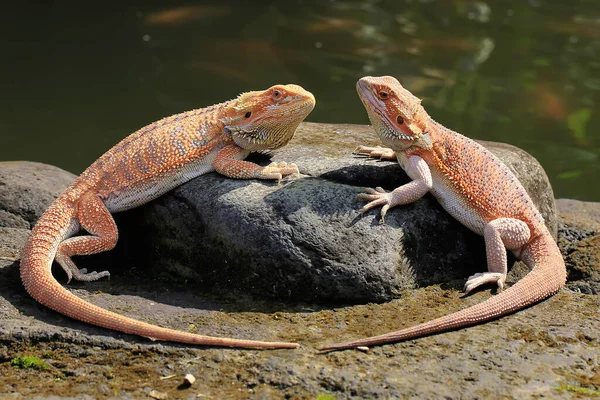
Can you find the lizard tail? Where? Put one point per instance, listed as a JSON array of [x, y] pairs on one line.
[[54, 226], [547, 276]]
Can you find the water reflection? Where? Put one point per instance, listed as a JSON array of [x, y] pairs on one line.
[[184, 14], [75, 81]]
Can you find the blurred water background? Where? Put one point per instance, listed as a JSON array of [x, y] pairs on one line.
[[77, 77]]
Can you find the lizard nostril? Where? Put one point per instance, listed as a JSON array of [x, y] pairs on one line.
[[400, 120]]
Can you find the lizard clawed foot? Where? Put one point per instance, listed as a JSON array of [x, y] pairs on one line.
[[377, 197], [83, 275], [376, 152], [79, 274], [479, 279], [285, 168], [278, 170]]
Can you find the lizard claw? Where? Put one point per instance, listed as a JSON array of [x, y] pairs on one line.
[[278, 170], [482, 278], [376, 152], [376, 197], [79, 274], [83, 275]]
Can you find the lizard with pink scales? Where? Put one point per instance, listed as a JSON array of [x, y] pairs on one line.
[[140, 168], [474, 187]]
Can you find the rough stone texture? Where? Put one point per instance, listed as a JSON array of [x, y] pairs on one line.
[[550, 350], [304, 239], [579, 240], [12, 241], [26, 190]]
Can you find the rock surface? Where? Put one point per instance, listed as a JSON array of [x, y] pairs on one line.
[[579, 240], [26, 190], [304, 239], [549, 350]]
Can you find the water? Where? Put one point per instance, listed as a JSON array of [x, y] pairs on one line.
[[75, 79]]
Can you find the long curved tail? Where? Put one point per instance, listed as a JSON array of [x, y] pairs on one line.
[[547, 276], [38, 254]]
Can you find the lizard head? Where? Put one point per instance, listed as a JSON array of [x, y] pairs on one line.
[[396, 114], [265, 120]]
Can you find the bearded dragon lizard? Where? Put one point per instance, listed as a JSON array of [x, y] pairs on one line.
[[143, 166], [474, 187]]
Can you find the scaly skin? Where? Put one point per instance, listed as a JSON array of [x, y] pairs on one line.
[[475, 188], [143, 166]]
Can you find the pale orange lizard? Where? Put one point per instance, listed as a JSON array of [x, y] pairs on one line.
[[143, 166], [474, 187]]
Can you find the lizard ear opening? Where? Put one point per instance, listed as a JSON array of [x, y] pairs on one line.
[[248, 114]]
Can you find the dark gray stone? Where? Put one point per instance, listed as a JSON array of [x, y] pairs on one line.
[[303, 239], [26, 190], [12, 241], [579, 241]]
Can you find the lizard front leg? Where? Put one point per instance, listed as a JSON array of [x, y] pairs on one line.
[[499, 234], [94, 217], [384, 153], [228, 163], [418, 170]]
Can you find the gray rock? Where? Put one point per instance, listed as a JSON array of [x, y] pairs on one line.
[[12, 241], [550, 350], [303, 239], [579, 241], [26, 190]]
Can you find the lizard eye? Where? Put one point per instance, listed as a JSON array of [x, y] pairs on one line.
[[383, 95], [276, 94], [400, 120], [248, 114]]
